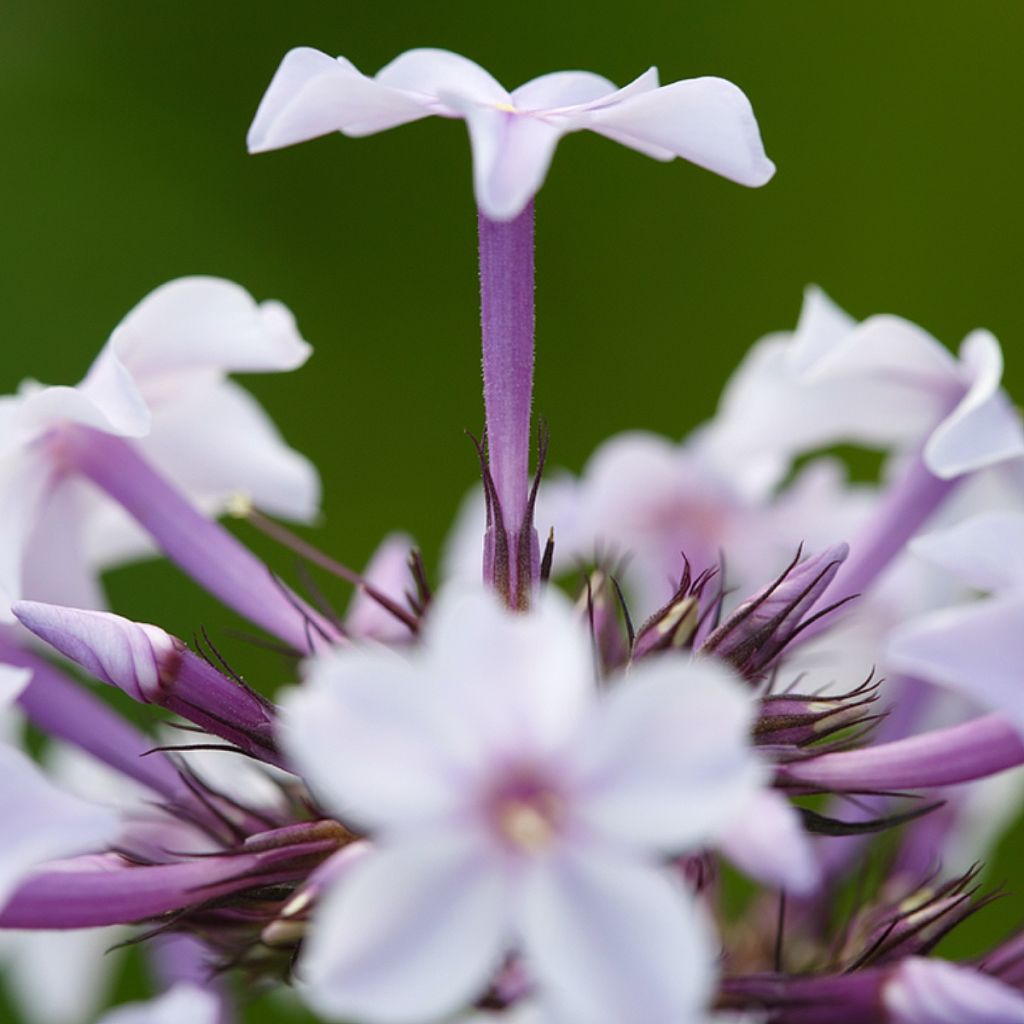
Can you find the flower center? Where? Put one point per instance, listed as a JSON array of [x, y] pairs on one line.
[[527, 814], [507, 107]]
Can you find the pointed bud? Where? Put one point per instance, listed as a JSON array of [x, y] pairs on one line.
[[759, 629], [153, 667], [676, 624], [798, 720]]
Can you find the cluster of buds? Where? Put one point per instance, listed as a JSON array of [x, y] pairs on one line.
[[482, 802]]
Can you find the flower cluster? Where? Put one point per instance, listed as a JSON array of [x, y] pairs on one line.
[[504, 791]]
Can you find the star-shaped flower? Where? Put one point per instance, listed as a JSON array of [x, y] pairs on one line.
[[707, 121], [514, 808]]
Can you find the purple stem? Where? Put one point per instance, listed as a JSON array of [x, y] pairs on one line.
[[66, 711], [507, 321], [904, 509], [942, 757], [105, 890], [200, 546]]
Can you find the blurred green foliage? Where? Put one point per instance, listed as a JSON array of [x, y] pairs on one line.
[[895, 127]]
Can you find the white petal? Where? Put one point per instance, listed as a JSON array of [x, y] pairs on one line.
[[933, 991], [609, 939], [412, 933], [766, 841], [984, 428], [216, 442], [511, 156], [822, 326], [184, 1002], [561, 89], [666, 761], [56, 565], [12, 681], [200, 323], [389, 573], [51, 823], [519, 682], [364, 731], [312, 94], [86, 968], [24, 481], [976, 649], [431, 74], [886, 346], [985, 551], [707, 121], [112, 403]]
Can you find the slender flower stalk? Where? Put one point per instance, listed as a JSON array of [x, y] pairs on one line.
[[64, 710], [106, 890], [942, 757], [200, 546], [507, 322], [904, 510]]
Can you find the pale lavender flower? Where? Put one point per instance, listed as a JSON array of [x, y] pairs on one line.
[[884, 383], [976, 648], [513, 810], [141, 427], [707, 121]]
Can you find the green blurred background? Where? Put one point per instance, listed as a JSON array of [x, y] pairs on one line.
[[896, 128]]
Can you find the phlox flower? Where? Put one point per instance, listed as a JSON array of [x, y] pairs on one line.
[[516, 810], [883, 383], [975, 647], [707, 121], [161, 383]]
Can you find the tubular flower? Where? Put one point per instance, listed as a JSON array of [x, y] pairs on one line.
[[514, 810]]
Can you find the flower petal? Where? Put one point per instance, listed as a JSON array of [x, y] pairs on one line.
[[933, 991], [429, 74], [511, 156], [523, 681], [561, 89], [50, 822], [609, 939], [707, 121], [766, 841], [976, 649], [666, 761], [12, 681], [984, 428], [86, 969], [389, 573], [249, 457], [313, 94], [24, 481], [411, 934], [204, 323], [367, 734], [985, 551]]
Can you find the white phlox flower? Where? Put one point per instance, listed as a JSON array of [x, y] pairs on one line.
[[516, 809], [160, 381], [707, 121], [884, 383]]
